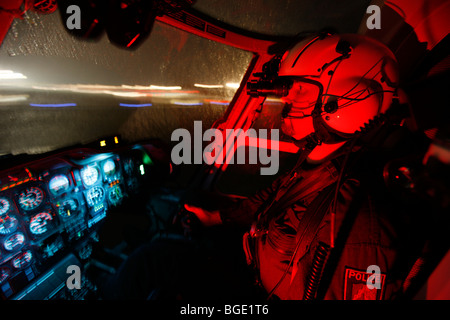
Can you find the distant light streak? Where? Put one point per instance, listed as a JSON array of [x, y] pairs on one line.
[[53, 105], [152, 87], [120, 91], [8, 74], [218, 102], [208, 86], [125, 94], [135, 105], [233, 85], [180, 103], [135, 87], [13, 98]]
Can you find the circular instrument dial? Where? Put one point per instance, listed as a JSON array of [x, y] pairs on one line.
[[109, 167], [4, 205], [31, 198], [59, 184], [8, 224], [95, 196], [22, 259], [68, 208], [115, 195], [14, 241], [39, 223], [90, 175]]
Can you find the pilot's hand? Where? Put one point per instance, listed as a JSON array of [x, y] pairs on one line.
[[207, 218]]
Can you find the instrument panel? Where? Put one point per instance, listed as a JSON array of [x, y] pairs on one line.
[[52, 207]]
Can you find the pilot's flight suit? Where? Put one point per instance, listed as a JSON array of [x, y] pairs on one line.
[[377, 238], [383, 235]]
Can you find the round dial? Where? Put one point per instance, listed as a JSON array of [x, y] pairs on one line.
[[95, 196], [59, 184], [22, 259], [14, 241], [39, 223], [89, 174], [109, 167], [31, 198], [68, 207], [115, 195], [8, 224], [4, 205]]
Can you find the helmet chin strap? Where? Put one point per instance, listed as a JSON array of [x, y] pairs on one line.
[[305, 146]]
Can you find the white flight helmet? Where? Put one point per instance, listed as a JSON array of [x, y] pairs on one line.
[[356, 76]]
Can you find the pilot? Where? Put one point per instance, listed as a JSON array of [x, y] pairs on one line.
[[329, 228]]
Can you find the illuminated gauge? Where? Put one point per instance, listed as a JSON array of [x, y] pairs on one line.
[[109, 167], [8, 224], [14, 241], [59, 184], [39, 223], [4, 274], [95, 196], [89, 174], [31, 198], [68, 207], [4, 206], [22, 260], [115, 195]]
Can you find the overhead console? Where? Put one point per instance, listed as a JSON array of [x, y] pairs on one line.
[[50, 209]]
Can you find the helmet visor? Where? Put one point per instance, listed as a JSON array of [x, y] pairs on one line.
[[303, 97]]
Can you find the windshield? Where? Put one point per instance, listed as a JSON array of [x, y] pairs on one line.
[[57, 90]]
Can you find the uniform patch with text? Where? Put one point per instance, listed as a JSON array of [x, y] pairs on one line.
[[356, 288]]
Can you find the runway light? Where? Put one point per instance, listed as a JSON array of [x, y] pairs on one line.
[[186, 103], [152, 87], [135, 105], [13, 98], [116, 140], [126, 94], [9, 74], [208, 86], [218, 102], [103, 143], [53, 105], [233, 85]]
